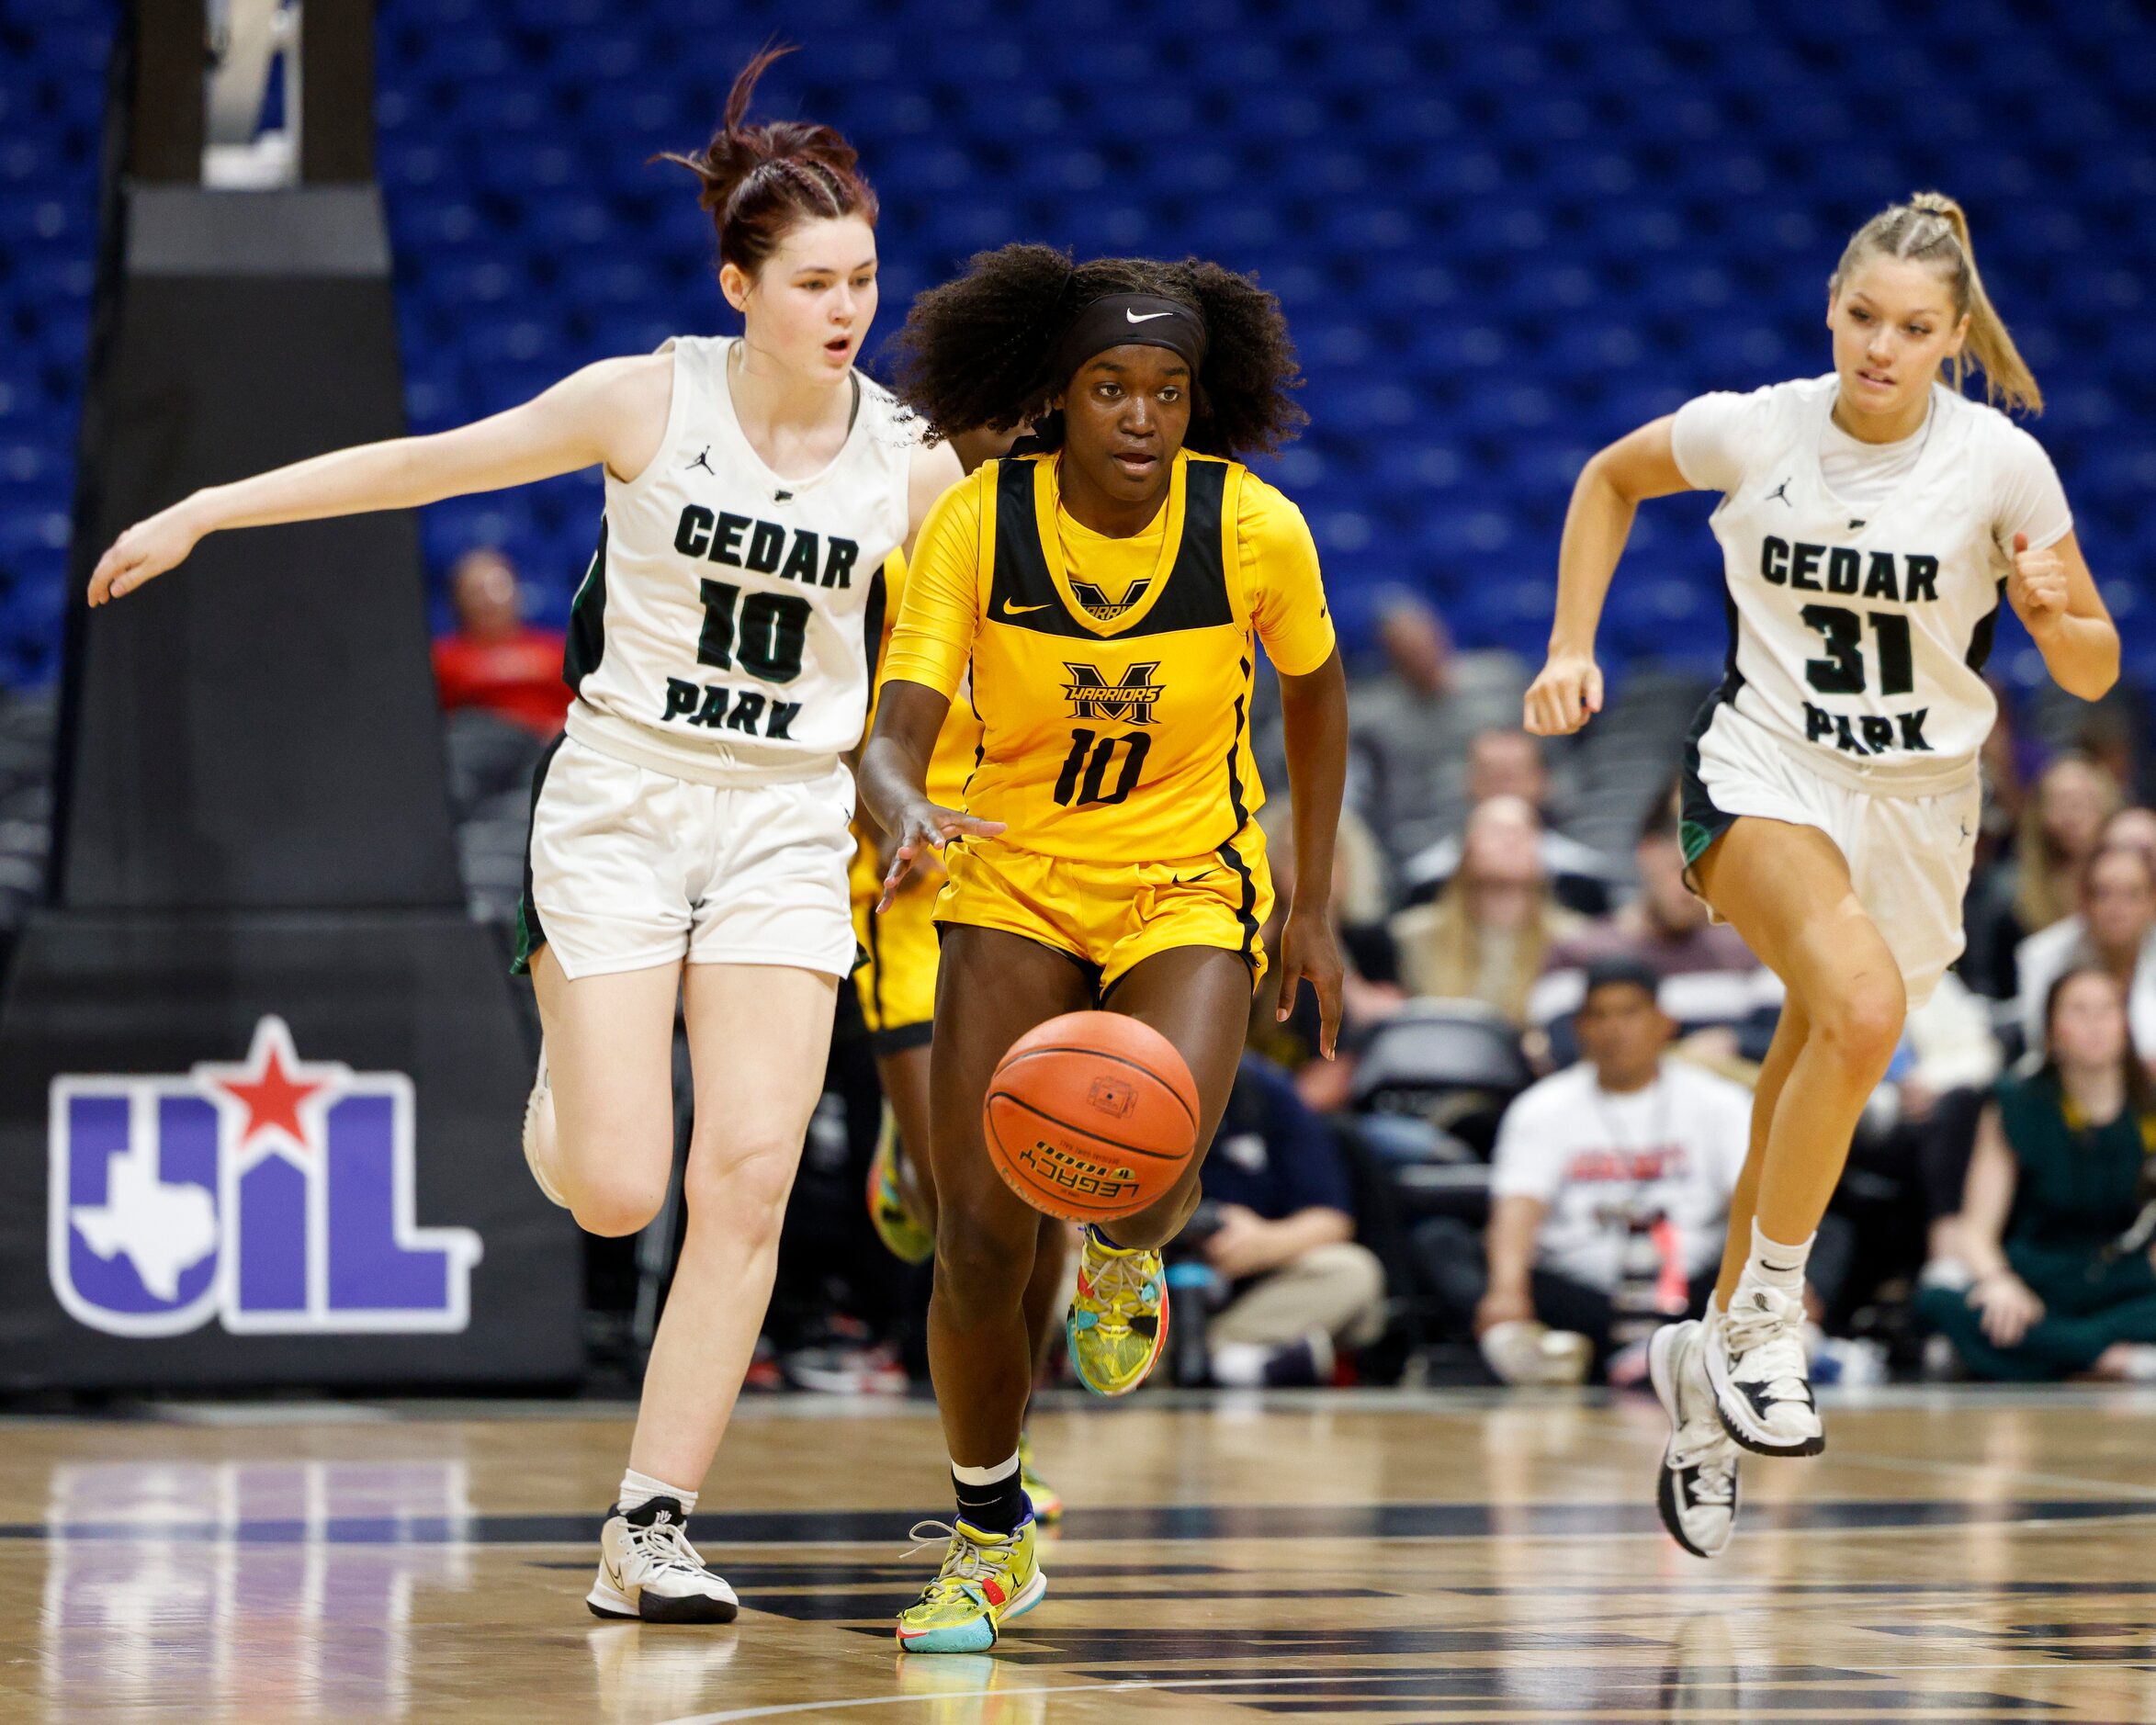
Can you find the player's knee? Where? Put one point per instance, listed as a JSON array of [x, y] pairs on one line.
[[745, 1187], [981, 1267], [1864, 1020], [618, 1201]]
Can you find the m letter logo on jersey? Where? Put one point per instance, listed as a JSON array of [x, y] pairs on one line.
[[275, 1195], [1093, 696]]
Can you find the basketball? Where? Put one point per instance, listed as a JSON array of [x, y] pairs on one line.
[[1091, 1116]]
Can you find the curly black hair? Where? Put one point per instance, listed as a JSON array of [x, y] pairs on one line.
[[979, 350]]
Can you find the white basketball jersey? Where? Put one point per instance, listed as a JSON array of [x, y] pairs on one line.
[[718, 632], [1859, 634]]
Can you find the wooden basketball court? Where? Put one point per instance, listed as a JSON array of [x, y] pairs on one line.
[[1457, 1557]]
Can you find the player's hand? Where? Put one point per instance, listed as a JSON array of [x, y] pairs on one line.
[[2009, 1306], [1310, 948], [924, 828], [2038, 586], [145, 551], [1565, 696]]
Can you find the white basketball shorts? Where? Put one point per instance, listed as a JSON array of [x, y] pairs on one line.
[[1909, 856], [626, 868]]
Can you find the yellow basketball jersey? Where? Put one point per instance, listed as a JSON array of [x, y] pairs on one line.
[[1112, 677], [956, 743]]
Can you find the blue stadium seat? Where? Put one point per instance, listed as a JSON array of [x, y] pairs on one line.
[[1504, 235]]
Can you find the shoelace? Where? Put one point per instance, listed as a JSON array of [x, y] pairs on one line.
[[1767, 1336], [1716, 1479], [1121, 1278], [964, 1560], [664, 1546]]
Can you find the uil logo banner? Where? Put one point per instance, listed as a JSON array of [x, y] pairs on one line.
[[273, 1195]]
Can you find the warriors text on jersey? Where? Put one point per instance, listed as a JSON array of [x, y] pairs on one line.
[[718, 631], [1860, 630], [1112, 677]]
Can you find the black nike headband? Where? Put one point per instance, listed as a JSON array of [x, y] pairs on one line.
[[1121, 319]]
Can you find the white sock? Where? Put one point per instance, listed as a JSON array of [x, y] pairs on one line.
[[639, 1489], [996, 1475], [1776, 1266]]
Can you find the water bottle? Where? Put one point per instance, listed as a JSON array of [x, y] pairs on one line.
[[1191, 1284]]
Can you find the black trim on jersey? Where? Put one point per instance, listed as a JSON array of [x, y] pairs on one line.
[[874, 953], [1699, 823], [904, 1038], [530, 936], [587, 621], [1234, 747], [872, 627], [1979, 640], [1197, 592], [1246, 912]]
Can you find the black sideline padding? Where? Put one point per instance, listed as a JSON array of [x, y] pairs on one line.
[[262, 1078]]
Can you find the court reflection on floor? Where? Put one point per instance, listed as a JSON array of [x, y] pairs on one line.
[[1441, 1559]]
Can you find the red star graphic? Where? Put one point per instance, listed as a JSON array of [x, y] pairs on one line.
[[270, 1094]]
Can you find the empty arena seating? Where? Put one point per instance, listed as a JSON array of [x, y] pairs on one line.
[[1505, 233]]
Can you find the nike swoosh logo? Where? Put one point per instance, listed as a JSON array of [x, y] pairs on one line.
[[1148, 318], [1011, 610]]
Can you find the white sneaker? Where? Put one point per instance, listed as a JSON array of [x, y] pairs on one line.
[[649, 1570], [1762, 1380], [1696, 1488], [538, 1131]]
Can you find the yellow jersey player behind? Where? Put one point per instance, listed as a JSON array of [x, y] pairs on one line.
[[896, 984], [1099, 594]]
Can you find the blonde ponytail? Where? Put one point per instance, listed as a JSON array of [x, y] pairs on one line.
[[1933, 228]]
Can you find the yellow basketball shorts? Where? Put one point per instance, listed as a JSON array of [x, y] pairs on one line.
[[1111, 915], [897, 981]]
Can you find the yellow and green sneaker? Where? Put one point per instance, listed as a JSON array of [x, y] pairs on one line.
[[895, 1224], [1118, 1322], [1046, 1500], [987, 1580]]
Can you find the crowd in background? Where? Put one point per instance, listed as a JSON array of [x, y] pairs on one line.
[[1500, 1175], [1522, 1159]]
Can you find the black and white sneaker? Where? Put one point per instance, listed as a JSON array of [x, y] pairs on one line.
[[1696, 1487], [1762, 1380], [647, 1570]]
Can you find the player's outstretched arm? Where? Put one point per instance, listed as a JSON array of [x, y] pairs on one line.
[[2053, 593], [893, 779], [613, 413], [1607, 495]]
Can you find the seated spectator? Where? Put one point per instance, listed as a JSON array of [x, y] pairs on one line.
[[1507, 761], [494, 659], [1486, 935], [1920, 1126], [2116, 932], [2109, 735], [1276, 1224], [2061, 827], [2053, 1235], [1609, 1192], [1709, 977], [1416, 717], [1367, 991], [2135, 827]]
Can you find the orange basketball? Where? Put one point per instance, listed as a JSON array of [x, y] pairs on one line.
[[1091, 1116]]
